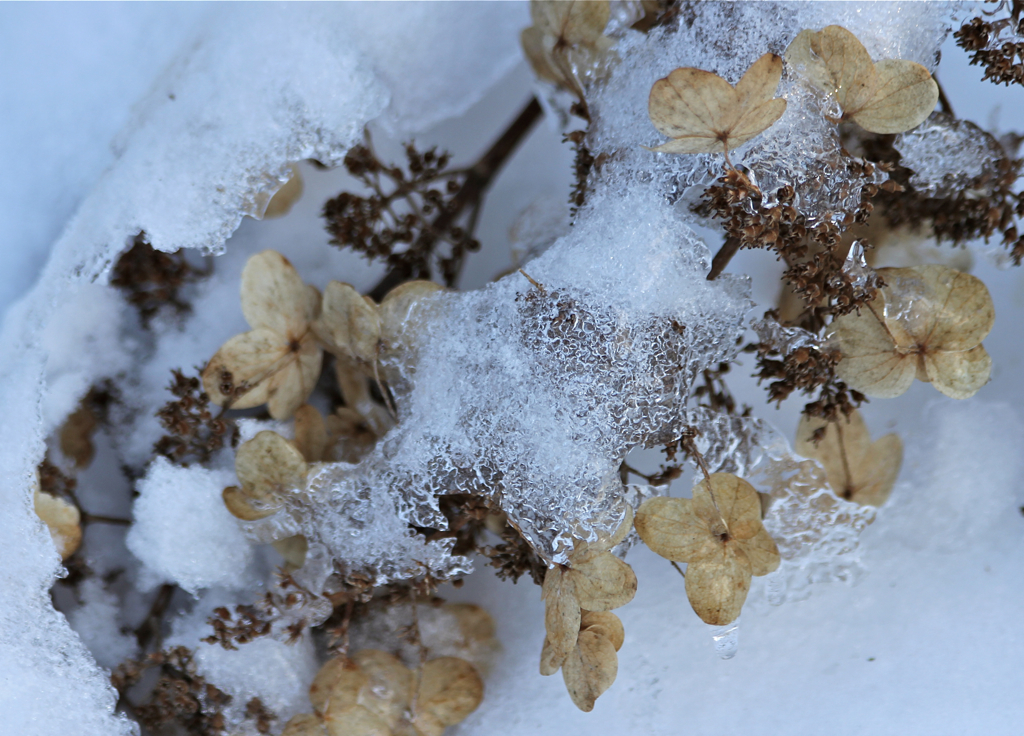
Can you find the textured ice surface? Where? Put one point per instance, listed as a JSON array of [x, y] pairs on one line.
[[946, 155], [98, 622], [182, 532]]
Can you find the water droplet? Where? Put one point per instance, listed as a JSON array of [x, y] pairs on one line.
[[727, 639]]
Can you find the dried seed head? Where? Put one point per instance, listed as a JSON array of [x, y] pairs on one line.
[[890, 96], [927, 322], [720, 534], [703, 113]]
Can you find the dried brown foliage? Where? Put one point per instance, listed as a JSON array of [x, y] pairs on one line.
[[252, 621], [409, 213], [1003, 61], [194, 432], [181, 698], [150, 278]]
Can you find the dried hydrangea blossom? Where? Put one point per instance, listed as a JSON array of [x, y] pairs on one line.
[[594, 580], [277, 362], [857, 469], [927, 322], [566, 41], [268, 467], [720, 534], [703, 113], [890, 96], [592, 665]]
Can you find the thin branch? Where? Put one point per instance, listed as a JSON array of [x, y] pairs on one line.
[[150, 627], [943, 100], [718, 264]]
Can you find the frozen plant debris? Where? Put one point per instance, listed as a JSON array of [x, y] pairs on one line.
[[720, 534], [374, 693], [703, 113], [594, 580], [566, 41], [927, 322], [268, 467], [890, 96], [857, 469], [277, 362]]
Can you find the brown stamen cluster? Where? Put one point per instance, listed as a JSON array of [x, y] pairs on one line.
[[151, 279], [194, 433], [1003, 61]]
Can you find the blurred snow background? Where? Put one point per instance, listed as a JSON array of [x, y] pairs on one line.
[[926, 641]]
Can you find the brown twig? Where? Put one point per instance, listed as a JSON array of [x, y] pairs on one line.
[[150, 627], [478, 179], [718, 264]]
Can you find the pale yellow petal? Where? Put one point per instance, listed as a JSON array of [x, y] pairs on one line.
[[310, 433], [549, 661], [605, 623], [62, 519], [449, 690], [870, 362], [305, 724], [959, 375], [293, 549], [717, 586], [355, 720], [671, 529], [572, 21], [590, 669], [877, 475], [696, 143], [761, 552], [800, 56], [759, 83], [853, 76], [842, 448], [388, 691], [338, 682], [601, 580], [281, 203], [693, 103], [246, 360], [348, 323], [274, 296], [475, 624], [291, 385], [905, 95], [964, 310], [754, 122], [561, 613], [731, 499], [241, 506], [532, 40], [403, 316], [268, 465]]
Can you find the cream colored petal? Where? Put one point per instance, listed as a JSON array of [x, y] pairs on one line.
[[959, 375], [624, 528], [870, 362], [811, 66], [671, 529], [964, 310], [878, 472], [62, 519], [696, 143], [403, 315], [717, 586], [390, 684], [305, 724], [549, 661], [754, 122], [449, 690], [475, 624], [241, 506], [759, 83], [532, 40], [355, 720], [605, 623], [561, 613], [268, 465], [601, 580], [585, 21], [249, 358], [310, 433], [348, 323], [905, 95], [841, 448], [290, 386], [852, 73], [693, 103], [337, 683], [910, 305], [730, 498], [761, 552], [590, 669], [281, 203], [274, 296], [293, 549]]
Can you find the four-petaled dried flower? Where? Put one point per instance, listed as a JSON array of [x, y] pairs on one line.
[[720, 534], [268, 467], [594, 580], [890, 96], [374, 693], [928, 321], [703, 113], [277, 362], [566, 39], [857, 469], [591, 666]]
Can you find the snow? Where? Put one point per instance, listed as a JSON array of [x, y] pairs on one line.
[[925, 641]]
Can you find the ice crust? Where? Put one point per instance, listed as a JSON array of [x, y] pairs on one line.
[[946, 155]]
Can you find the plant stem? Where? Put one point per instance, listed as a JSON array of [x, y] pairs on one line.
[[478, 179], [150, 627], [722, 257]]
